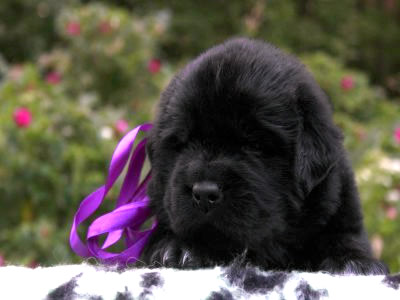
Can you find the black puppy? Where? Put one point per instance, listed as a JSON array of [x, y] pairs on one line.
[[246, 159]]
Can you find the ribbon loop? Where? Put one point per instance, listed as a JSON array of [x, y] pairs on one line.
[[131, 210]]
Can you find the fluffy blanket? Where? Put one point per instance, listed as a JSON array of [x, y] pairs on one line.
[[93, 282]]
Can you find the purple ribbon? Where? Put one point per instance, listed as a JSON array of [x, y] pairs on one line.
[[131, 211]]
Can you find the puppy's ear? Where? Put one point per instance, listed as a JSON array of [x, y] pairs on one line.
[[319, 141]]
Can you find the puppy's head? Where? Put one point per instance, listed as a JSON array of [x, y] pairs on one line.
[[243, 134]]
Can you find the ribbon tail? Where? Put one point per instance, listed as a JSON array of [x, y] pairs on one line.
[[86, 208]]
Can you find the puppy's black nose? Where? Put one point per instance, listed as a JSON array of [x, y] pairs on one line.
[[206, 194]]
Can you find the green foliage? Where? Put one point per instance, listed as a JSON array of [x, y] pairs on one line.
[[46, 168], [378, 176], [109, 50], [26, 27], [364, 34], [359, 101], [75, 95]]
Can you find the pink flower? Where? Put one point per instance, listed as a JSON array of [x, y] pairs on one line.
[[121, 126], [347, 83], [2, 262], [53, 77], [22, 117], [73, 28], [105, 27], [391, 212], [397, 135], [154, 65]]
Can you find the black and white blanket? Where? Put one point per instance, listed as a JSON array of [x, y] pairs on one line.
[[94, 282]]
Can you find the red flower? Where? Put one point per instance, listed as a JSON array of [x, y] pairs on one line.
[[347, 83], [105, 27], [53, 77], [154, 65], [121, 126], [22, 117], [2, 262], [73, 28], [397, 135]]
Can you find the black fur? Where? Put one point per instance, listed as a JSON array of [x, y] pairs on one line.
[[392, 280], [126, 295], [65, 291], [252, 120], [151, 279], [305, 292], [223, 294]]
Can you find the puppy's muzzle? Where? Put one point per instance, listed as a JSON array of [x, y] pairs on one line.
[[205, 195]]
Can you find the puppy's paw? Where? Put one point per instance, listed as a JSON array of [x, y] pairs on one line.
[[359, 266], [174, 255]]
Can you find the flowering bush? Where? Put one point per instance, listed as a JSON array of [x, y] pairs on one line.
[[51, 155], [108, 52], [349, 90], [60, 119]]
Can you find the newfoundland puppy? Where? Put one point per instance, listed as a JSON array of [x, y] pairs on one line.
[[246, 161]]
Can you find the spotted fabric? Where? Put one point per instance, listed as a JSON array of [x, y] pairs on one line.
[[220, 283]]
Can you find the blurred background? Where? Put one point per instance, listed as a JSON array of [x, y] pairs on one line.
[[76, 75]]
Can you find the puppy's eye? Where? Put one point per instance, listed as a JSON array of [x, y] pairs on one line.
[[265, 148], [173, 142]]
